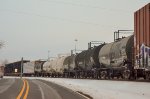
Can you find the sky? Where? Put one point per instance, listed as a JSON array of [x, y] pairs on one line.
[[32, 28]]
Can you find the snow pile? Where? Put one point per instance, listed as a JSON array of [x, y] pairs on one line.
[[104, 89]]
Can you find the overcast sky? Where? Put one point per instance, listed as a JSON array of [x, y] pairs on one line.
[[30, 28]]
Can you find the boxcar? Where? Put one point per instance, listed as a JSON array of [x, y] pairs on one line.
[[142, 42]]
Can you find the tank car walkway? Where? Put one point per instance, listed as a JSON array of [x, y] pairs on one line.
[[15, 88]]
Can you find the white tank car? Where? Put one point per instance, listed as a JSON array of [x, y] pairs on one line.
[[56, 66], [59, 67], [47, 66]]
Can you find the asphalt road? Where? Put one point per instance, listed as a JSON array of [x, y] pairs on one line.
[[14, 88]]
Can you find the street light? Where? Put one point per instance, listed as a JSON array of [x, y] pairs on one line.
[[48, 54], [75, 45]]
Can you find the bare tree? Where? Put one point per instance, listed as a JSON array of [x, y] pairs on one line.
[[1, 44]]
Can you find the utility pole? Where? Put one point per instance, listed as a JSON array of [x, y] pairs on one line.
[[48, 54], [75, 45], [21, 67]]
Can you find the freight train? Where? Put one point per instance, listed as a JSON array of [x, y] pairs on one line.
[[126, 58], [105, 61]]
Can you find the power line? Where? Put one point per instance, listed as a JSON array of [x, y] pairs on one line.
[[89, 6], [61, 19]]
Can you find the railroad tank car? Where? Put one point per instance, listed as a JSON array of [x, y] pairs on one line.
[[1, 71], [47, 67], [87, 61], [55, 67], [69, 66], [116, 58], [121, 51], [104, 55], [58, 66]]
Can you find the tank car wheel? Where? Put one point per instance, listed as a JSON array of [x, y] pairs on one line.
[[95, 75], [147, 76], [126, 74], [103, 75], [112, 76]]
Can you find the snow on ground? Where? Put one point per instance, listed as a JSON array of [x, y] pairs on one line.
[[105, 89]]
